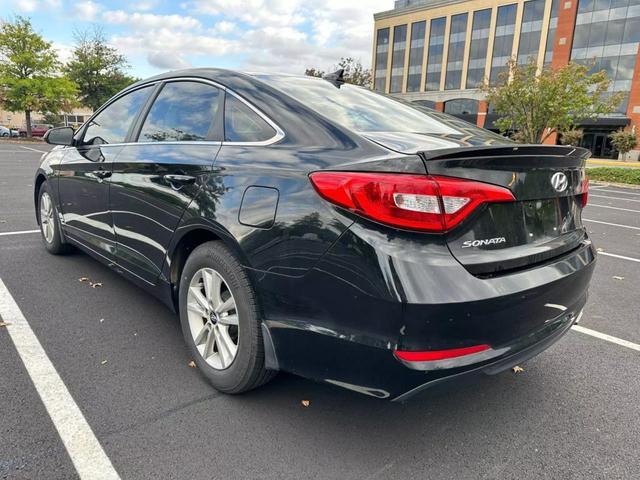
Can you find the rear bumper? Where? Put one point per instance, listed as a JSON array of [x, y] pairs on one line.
[[374, 293], [520, 351]]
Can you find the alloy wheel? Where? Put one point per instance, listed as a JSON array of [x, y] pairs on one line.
[[213, 318], [47, 222]]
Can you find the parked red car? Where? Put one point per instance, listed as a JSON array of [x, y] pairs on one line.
[[37, 130]]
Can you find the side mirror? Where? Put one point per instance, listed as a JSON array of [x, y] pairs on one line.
[[59, 136]]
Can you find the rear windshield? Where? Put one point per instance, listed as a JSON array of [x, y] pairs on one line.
[[363, 110]]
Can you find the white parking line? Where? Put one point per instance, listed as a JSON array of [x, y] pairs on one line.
[[21, 232], [622, 257], [608, 338], [614, 208], [34, 149], [616, 198], [602, 189], [610, 224], [86, 453]]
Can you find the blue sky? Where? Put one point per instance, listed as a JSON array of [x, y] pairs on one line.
[[254, 35]]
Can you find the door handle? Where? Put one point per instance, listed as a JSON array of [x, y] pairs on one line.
[[177, 180]]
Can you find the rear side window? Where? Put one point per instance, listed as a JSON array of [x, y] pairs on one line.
[[112, 124], [183, 111], [242, 124]]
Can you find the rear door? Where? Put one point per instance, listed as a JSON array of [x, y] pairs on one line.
[[85, 171], [544, 223], [156, 178]]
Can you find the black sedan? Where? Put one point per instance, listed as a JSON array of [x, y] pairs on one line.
[[306, 225]]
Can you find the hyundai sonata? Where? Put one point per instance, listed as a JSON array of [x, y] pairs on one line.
[[306, 225]]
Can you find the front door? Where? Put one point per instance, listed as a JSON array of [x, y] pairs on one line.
[[85, 171], [155, 179]]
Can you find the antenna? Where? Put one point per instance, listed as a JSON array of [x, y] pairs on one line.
[[336, 78]]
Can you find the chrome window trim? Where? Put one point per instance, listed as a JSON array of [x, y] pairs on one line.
[[279, 135]]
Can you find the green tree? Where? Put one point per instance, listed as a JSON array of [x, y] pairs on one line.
[[97, 68], [623, 141], [29, 72], [537, 104], [354, 72], [571, 137]]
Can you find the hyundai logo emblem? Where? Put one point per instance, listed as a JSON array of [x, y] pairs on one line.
[[559, 181]]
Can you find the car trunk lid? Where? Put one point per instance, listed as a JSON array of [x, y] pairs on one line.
[[544, 222]]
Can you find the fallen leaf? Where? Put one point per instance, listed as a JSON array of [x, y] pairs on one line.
[[103, 362], [305, 403], [192, 364], [517, 369], [95, 285], [83, 279], [616, 277], [4, 324]]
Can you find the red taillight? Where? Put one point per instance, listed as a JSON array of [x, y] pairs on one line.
[[415, 202], [584, 196], [433, 355]]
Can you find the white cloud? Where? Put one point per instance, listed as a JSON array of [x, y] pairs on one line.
[[252, 12], [87, 10], [167, 62], [150, 20], [29, 6], [268, 35], [64, 51], [224, 27], [145, 5], [277, 38]]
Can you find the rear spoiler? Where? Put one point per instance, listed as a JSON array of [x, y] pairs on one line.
[[515, 151]]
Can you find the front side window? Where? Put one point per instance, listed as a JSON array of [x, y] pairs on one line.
[[183, 111], [242, 124], [112, 124]]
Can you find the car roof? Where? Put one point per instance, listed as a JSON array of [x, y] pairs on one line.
[[227, 77]]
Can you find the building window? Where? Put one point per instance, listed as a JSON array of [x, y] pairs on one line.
[[382, 50], [551, 36], [397, 59], [607, 36], [425, 103], [529, 44], [457, 39], [434, 58], [463, 108], [503, 43], [416, 55], [478, 49]]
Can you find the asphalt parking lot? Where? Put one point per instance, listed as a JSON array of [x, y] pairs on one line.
[[573, 412]]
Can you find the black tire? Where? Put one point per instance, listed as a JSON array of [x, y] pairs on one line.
[[247, 370], [55, 246]]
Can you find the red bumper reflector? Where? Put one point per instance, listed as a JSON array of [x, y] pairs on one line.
[[432, 355]]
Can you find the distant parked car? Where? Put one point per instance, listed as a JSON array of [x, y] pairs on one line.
[[8, 132], [37, 130]]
